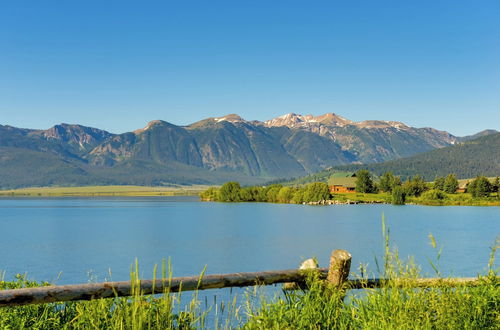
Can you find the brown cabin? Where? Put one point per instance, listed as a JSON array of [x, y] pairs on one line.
[[462, 186], [342, 183]]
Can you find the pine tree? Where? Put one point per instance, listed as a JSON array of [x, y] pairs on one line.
[[450, 184], [439, 183], [386, 182], [364, 182]]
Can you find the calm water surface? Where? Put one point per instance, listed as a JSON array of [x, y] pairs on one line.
[[72, 237]]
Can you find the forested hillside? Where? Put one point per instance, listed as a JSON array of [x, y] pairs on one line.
[[466, 160]]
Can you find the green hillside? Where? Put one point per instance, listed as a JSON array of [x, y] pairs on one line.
[[216, 150], [466, 160]]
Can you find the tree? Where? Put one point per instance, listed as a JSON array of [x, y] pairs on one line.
[[230, 192], [249, 194], [450, 184], [398, 196], [415, 186], [272, 193], [439, 183], [433, 194], [285, 195], [396, 182], [480, 187], [364, 182], [298, 196], [386, 182], [211, 194], [496, 185], [316, 192]]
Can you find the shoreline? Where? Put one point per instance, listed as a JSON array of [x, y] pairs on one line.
[[103, 191]]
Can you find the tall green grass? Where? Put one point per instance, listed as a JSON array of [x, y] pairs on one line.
[[393, 306]]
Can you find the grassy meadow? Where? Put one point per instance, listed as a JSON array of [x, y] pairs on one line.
[[457, 199], [104, 191]]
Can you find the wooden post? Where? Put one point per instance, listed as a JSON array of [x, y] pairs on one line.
[[340, 265]]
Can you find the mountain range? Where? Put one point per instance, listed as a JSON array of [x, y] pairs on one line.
[[210, 151], [468, 159]]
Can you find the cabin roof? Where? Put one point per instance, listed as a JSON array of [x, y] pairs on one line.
[[348, 182], [343, 175]]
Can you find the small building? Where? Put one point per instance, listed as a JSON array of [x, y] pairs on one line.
[[462, 186], [342, 182]]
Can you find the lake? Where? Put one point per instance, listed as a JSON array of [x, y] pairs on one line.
[[72, 240]]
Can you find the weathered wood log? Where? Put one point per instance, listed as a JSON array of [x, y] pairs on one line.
[[47, 294], [340, 265], [90, 291]]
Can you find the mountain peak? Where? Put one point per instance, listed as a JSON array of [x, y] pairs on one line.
[[151, 124], [294, 120], [232, 118], [333, 119]]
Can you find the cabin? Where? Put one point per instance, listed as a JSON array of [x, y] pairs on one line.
[[342, 182], [462, 186]]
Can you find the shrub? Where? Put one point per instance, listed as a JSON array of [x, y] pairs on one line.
[[249, 194], [480, 187], [433, 194], [298, 196], [317, 191], [230, 192], [272, 193], [398, 196], [211, 194], [415, 186], [285, 195], [438, 183], [450, 184]]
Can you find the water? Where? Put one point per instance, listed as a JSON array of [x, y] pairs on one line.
[[66, 239]]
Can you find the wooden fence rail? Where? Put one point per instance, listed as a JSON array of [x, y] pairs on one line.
[[336, 275]]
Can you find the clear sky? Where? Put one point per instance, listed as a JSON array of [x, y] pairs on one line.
[[116, 65]]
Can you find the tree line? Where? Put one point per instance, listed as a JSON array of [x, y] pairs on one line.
[[319, 191], [416, 186], [275, 193]]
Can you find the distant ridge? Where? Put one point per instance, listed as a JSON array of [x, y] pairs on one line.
[[469, 159], [210, 151]]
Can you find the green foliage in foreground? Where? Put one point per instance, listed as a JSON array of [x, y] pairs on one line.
[[391, 307]]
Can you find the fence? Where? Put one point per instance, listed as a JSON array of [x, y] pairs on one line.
[[336, 275]]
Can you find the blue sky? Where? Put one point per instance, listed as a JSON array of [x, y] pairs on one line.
[[117, 64]]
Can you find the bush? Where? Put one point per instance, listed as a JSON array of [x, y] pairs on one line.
[[438, 183], [433, 194], [285, 195], [480, 187], [298, 196], [211, 194], [450, 184], [230, 192], [272, 193], [249, 194], [398, 196], [316, 192], [415, 186]]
